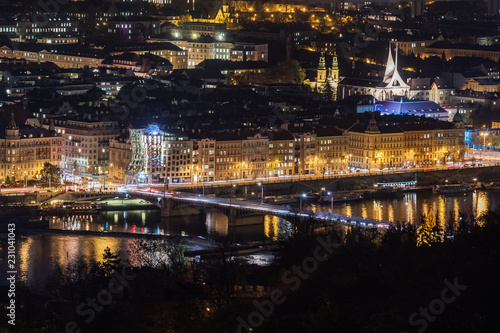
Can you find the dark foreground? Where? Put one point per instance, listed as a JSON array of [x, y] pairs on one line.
[[328, 281]]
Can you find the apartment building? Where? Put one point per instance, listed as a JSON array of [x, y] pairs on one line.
[[254, 155], [120, 151], [380, 146], [198, 29], [249, 52], [24, 151], [134, 28], [33, 27], [305, 160], [177, 56], [85, 144], [228, 157], [204, 48], [281, 153], [204, 153], [331, 150]]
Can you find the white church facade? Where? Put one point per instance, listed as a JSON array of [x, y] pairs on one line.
[[391, 86]]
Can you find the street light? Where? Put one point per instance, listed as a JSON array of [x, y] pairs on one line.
[[331, 197], [231, 193], [303, 196], [484, 135], [261, 193], [267, 173]]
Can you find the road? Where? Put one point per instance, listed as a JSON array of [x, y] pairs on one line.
[[489, 157], [292, 178]]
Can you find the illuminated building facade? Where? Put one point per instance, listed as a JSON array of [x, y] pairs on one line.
[[249, 52], [418, 144], [254, 156], [85, 145], [24, 151], [228, 156], [204, 48], [177, 57], [204, 153], [281, 153], [305, 153], [331, 149], [120, 151], [28, 28], [197, 29], [159, 157], [327, 76], [390, 86]]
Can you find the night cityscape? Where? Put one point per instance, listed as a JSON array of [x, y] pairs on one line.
[[182, 166]]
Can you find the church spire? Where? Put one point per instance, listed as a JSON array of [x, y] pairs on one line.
[[334, 75], [322, 65], [52, 127], [12, 122], [392, 78], [322, 73], [372, 125], [389, 69], [12, 131], [335, 62]]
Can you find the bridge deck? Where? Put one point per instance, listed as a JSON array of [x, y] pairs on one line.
[[282, 211]]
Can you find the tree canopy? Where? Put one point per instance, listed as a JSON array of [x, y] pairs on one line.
[[288, 71]]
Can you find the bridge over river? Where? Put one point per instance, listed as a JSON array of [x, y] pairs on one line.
[[239, 211]]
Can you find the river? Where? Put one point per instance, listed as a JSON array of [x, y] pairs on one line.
[[39, 253], [414, 204]]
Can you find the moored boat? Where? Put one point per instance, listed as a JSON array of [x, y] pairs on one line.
[[384, 193], [72, 207], [282, 200], [340, 197], [452, 189]]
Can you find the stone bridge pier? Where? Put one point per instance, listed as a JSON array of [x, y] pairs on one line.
[[236, 216]]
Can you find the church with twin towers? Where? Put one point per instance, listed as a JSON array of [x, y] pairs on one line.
[[327, 79]]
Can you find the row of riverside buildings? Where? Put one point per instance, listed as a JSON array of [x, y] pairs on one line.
[[152, 155]]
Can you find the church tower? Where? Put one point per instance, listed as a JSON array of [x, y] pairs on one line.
[[12, 131], [334, 75], [321, 77]]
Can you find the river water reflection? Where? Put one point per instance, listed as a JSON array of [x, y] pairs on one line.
[[38, 253], [150, 222], [414, 204]]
